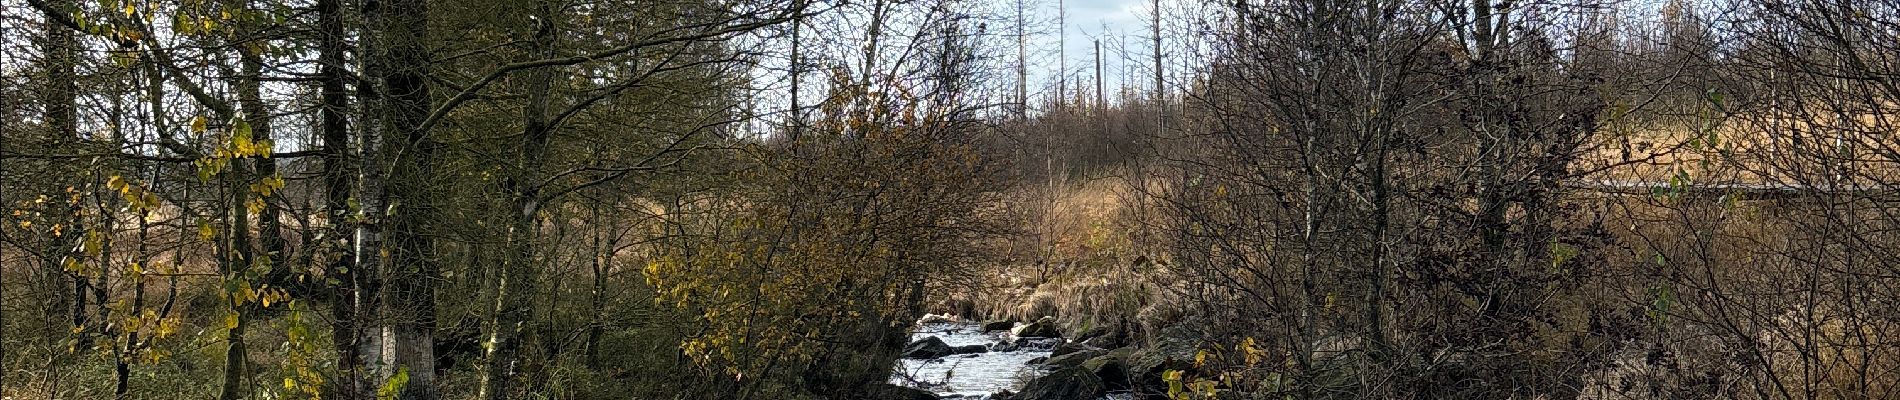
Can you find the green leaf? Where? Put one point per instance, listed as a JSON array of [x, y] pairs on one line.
[[1560, 253], [1176, 389], [180, 25], [1664, 298], [394, 385], [240, 129]]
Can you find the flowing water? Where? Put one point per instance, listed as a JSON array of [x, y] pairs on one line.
[[968, 375]]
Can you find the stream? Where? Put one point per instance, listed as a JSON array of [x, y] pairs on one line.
[[970, 375]]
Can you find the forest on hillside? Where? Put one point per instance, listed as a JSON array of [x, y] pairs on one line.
[[772, 199]]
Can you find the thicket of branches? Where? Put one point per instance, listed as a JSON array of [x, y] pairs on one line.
[[1502, 199], [488, 199], [754, 199]]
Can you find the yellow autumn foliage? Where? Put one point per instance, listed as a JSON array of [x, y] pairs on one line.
[[827, 245]]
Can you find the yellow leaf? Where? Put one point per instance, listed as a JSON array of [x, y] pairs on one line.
[[94, 243], [129, 10], [167, 327], [205, 232], [198, 124], [1253, 353], [241, 137], [1205, 387], [230, 320]]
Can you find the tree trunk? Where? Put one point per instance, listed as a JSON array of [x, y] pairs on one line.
[[1022, 63], [234, 361], [238, 257], [796, 68], [514, 285], [250, 99], [872, 36], [597, 295], [338, 182], [397, 206], [58, 98], [367, 247]]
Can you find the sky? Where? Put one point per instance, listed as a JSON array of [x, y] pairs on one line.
[[1122, 25], [1112, 21]]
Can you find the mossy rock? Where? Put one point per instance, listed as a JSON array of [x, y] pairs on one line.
[[1043, 328], [1072, 347], [886, 391], [1145, 366], [1111, 368], [1066, 384], [1072, 360]]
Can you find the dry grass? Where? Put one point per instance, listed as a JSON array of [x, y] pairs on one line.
[[1082, 265], [1748, 150], [1766, 299]]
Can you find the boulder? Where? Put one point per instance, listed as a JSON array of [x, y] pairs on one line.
[[886, 391], [1067, 348], [998, 325], [1041, 344], [1066, 384], [1042, 328], [1071, 360], [1145, 366], [1111, 368], [926, 348], [1026, 344], [1103, 336], [969, 349], [1109, 341], [1090, 331]]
